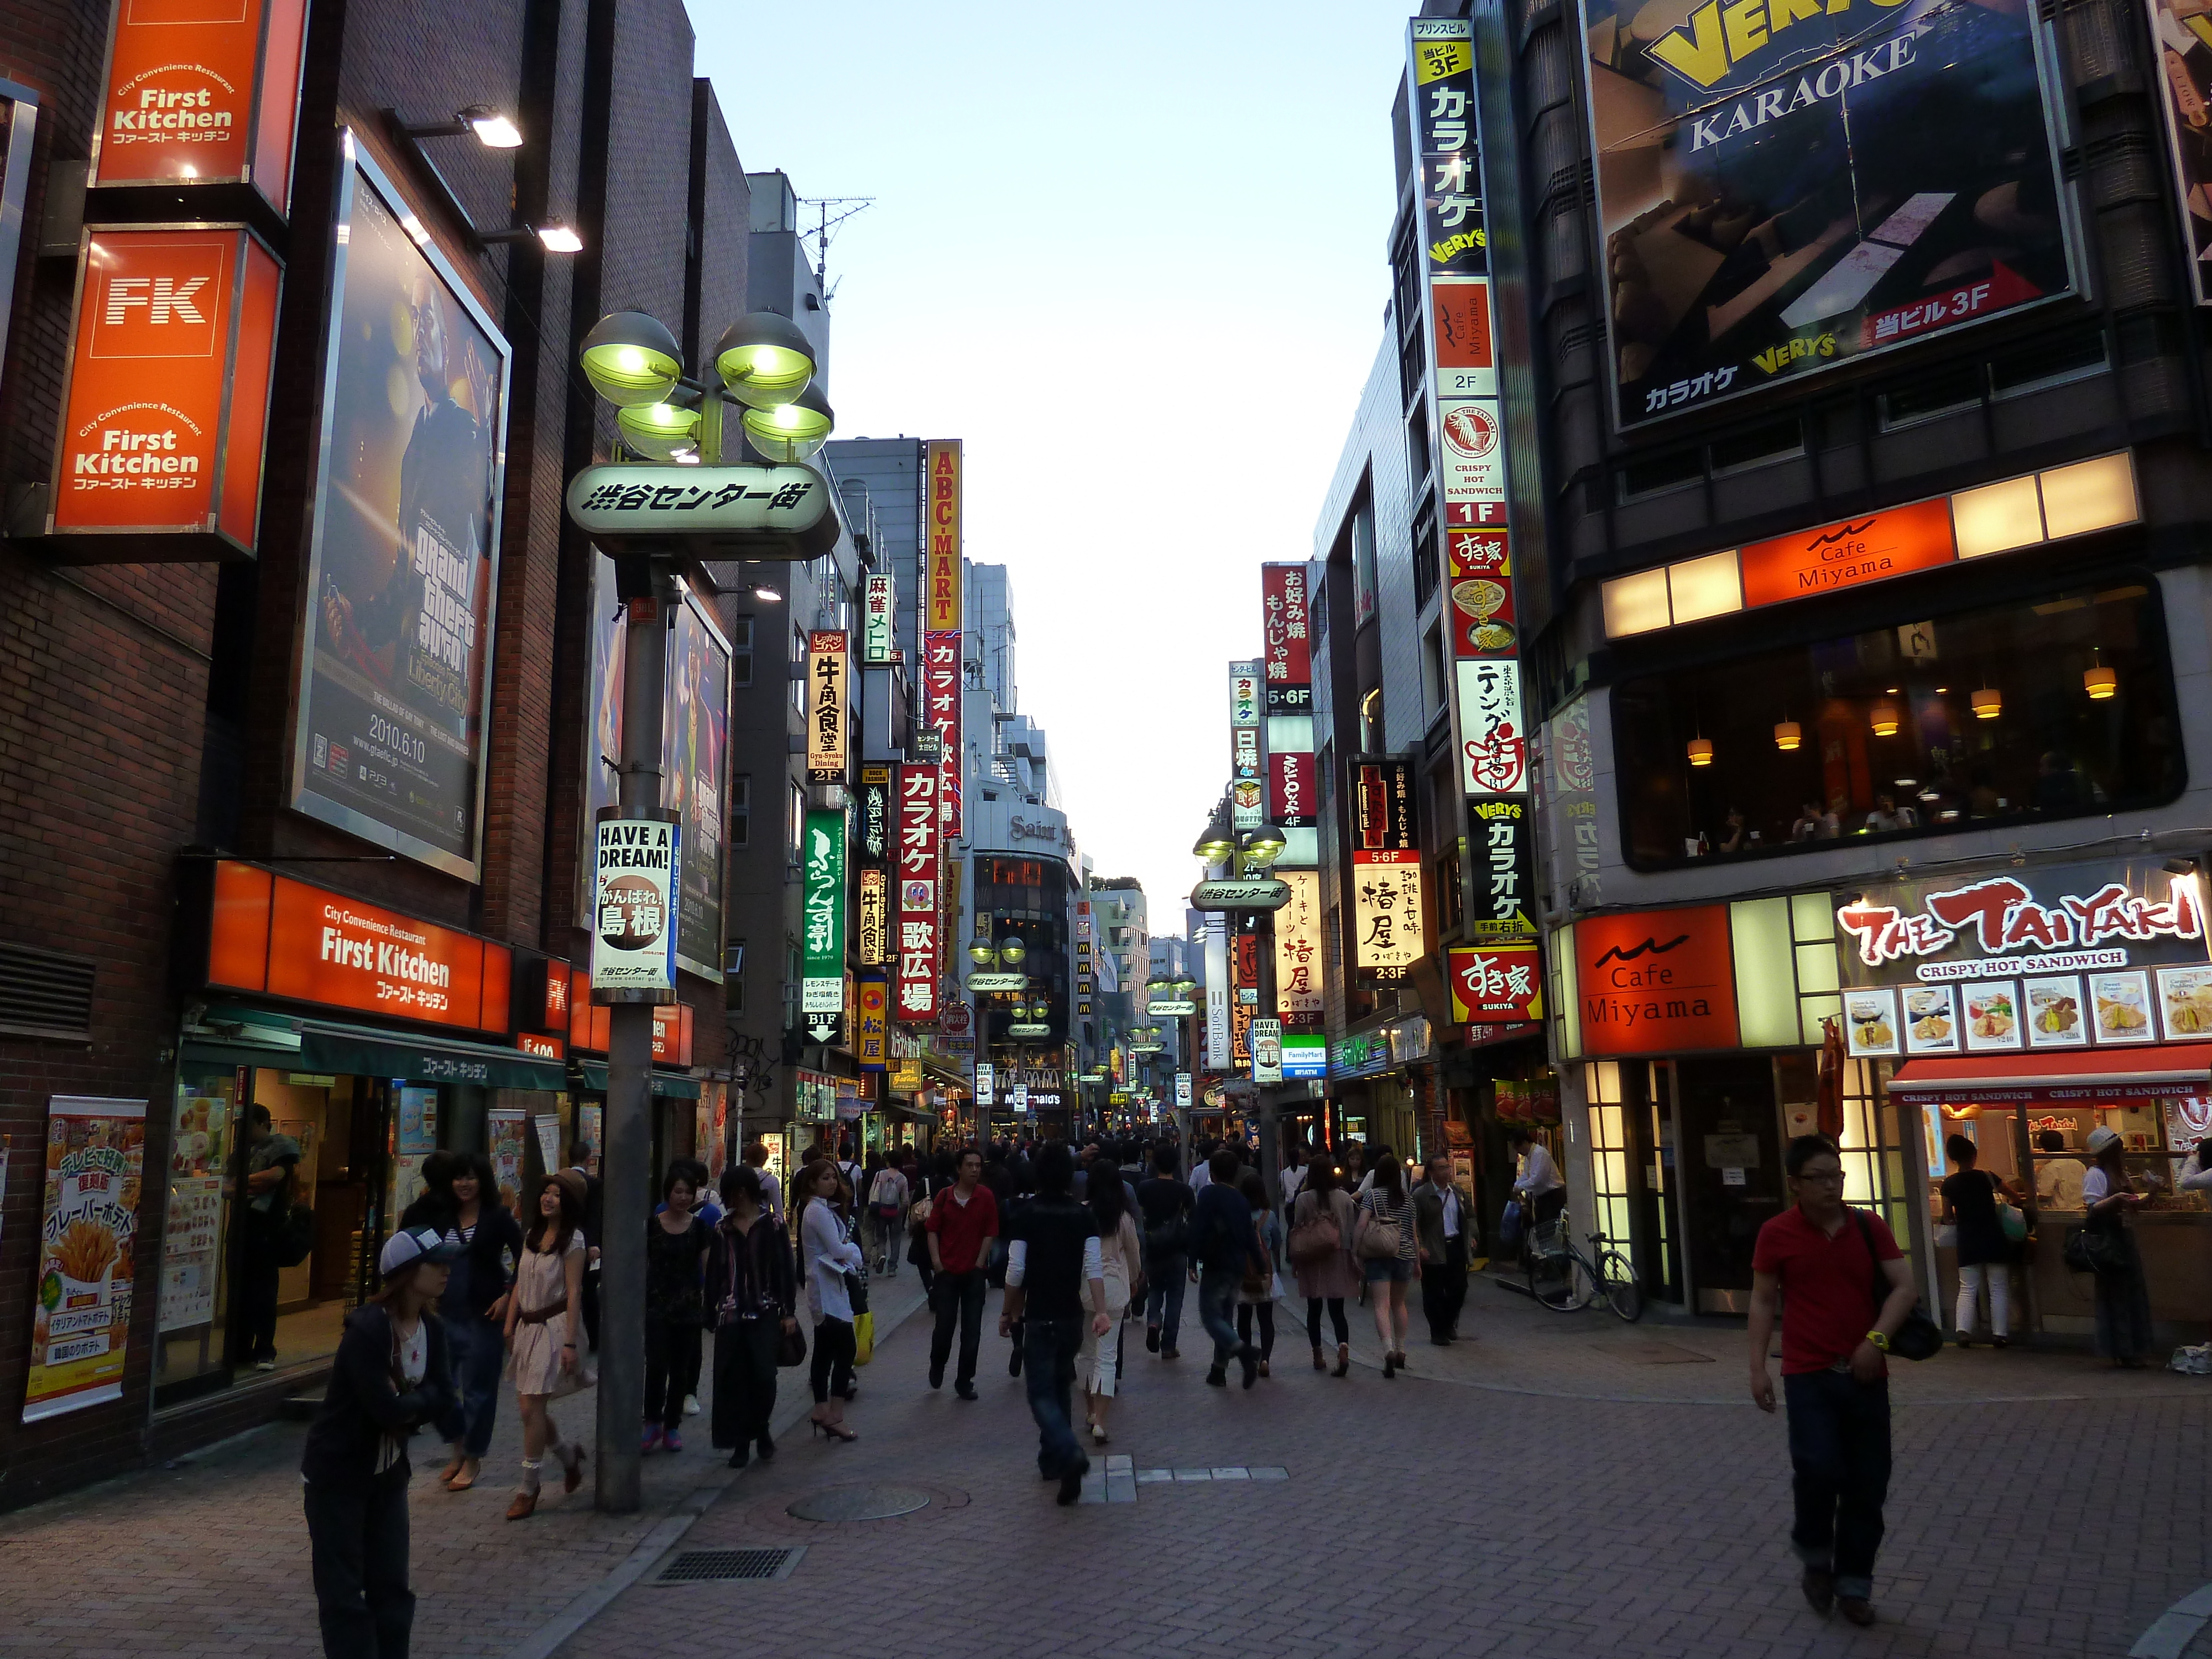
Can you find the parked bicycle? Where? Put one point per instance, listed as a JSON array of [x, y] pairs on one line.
[[1567, 1279]]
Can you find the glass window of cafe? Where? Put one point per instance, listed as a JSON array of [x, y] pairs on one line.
[[348, 1150], [2040, 1148], [2055, 707]]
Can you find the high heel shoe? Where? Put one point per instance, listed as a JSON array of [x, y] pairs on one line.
[[1263, 1368], [467, 1478], [1344, 1359], [832, 1430], [1389, 1364], [572, 1476], [445, 1475]]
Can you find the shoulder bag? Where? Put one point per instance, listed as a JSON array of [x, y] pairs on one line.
[[1315, 1241], [1374, 1238], [1918, 1337], [2090, 1249]]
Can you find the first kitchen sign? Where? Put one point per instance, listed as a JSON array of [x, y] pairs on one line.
[[637, 877], [159, 455]]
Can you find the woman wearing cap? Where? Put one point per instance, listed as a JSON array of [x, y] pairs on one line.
[[2122, 1300], [541, 1331], [460, 1203], [393, 1373]]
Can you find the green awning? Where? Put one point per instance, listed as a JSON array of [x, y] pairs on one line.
[[365, 1053], [667, 1085]]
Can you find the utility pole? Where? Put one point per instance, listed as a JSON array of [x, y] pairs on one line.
[[649, 588]]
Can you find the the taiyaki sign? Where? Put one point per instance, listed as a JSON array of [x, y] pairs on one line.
[[2053, 958]]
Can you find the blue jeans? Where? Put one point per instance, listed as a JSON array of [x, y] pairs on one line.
[[1217, 1310], [1839, 1448], [1164, 1295], [1049, 1348], [479, 1352]]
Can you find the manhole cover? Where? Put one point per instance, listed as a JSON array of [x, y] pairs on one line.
[[859, 1503], [699, 1567]]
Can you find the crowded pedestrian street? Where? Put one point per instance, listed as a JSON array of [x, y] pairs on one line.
[[1554, 1486], [1368, 830]]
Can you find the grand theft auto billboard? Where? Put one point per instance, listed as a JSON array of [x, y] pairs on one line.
[[1786, 184]]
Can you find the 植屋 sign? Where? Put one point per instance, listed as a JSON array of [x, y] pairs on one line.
[[635, 875], [2063, 957]]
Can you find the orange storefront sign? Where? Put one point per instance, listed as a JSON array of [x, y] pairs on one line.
[[168, 392], [1872, 548], [1657, 981], [286, 938], [545, 1048], [588, 1024], [202, 92]]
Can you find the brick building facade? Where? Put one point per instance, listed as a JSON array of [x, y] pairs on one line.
[[148, 711]]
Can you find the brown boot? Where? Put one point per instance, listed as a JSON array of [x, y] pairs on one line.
[[1343, 1359], [1319, 1364]]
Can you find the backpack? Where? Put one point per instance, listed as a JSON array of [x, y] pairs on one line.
[[292, 1238]]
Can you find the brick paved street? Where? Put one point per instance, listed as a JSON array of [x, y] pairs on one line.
[[1526, 1493]]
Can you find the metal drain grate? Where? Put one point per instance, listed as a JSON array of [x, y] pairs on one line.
[[702, 1566]]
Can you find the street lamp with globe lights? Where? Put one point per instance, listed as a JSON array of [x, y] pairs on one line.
[[685, 485]]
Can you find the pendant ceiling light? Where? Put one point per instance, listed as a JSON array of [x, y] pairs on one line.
[[2099, 681], [1787, 735], [1701, 751], [1989, 704], [1883, 718]]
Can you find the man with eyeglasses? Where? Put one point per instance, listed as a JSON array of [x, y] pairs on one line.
[[1826, 1260]]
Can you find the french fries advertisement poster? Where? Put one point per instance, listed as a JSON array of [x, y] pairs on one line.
[[88, 1254], [1786, 184]]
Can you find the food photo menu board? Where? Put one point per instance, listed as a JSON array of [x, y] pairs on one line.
[[2065, 957]]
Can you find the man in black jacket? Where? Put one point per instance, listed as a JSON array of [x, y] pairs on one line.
[[1224, 1243], [392, 1375], [1053, 1263]]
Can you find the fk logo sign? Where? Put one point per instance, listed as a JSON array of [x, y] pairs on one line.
[[159, 301]]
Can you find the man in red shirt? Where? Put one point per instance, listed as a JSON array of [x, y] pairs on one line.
[[1825, 1261], [962, 1222]]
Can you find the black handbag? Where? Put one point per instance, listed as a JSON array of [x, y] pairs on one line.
[[1919, 1337], [2090, 1249], [791, 1348]]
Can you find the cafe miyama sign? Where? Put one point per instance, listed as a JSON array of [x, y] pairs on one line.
[[2065, 919]]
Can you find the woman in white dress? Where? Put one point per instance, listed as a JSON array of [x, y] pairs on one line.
[[543, 1333], [1098, 1359]]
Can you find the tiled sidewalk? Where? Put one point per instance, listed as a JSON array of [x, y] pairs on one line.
[[212, 1557], [1523, 1493]]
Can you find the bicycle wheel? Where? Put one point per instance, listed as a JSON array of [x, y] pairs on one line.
[[1621, 1294], [1562, 1283]]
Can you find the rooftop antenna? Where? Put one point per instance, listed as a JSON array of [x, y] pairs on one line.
[[826, 224]]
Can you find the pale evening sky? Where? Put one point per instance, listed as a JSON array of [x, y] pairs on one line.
[[1133, 256]]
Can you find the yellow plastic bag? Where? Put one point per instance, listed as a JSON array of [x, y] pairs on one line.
[[864, 1338]]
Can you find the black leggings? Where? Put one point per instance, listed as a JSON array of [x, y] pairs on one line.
[[1335, 1318], [834, 1348], [672, 1370], [1267, 1312]]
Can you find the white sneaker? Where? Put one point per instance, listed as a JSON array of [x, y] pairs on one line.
[[690, 1405], [264, 1364]]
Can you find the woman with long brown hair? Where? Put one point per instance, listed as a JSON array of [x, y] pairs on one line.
[[1386, 1217], [543, 1334], [1320, 1249], [2124, 1333]]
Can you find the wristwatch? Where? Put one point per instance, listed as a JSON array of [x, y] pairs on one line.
[[1878, 1340]]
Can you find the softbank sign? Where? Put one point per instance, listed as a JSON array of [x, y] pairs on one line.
[[168, 388]]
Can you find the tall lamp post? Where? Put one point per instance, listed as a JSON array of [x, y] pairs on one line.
[[689, 483]]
